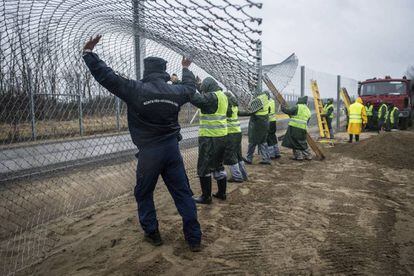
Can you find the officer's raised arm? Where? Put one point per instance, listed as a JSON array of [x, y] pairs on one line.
[[188, 82], [105, 76]]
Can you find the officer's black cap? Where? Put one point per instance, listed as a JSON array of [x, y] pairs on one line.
[[154, 65]]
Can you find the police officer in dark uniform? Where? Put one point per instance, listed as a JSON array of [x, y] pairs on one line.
[[153, 107]]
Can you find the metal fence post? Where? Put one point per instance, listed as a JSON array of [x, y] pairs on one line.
[[137, 39], [338, 103], [259, 66], [32, 104], [80, 114], [302, 81], [118, 111]]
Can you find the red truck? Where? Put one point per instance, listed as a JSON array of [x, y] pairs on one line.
[[400, 92]]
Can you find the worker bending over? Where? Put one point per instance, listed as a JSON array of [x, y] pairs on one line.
[[295, 137], [357, 119], [272, 142], [213, 105], [233, 155], [153, 107], [258, 129]]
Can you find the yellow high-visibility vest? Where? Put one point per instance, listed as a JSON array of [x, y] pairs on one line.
[[233, 123], [380, 110], [215, 125], [300, 120], [326, 108], [392, 115], [265, 102], [370, 110], [272, 110], [355, 113]]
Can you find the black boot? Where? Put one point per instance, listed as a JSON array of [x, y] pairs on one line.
[[154, 238], [205, 197], [222, 187]]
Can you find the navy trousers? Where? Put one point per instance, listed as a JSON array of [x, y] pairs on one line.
[[165, 159]]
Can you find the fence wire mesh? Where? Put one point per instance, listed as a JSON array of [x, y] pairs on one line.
[[328, 88], [64, 144]]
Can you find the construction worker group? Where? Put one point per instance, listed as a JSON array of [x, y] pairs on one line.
[[362, 117], [153, 105]]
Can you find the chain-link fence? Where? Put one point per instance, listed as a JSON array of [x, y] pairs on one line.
[[64, 143], [329, 85]]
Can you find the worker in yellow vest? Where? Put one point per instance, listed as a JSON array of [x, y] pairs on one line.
[[357, 119], [272, 143], [328, 113], [382, 115], [295, 137], [233, 155], [370, 113], [392, 117], [213, 105], [258, 128]]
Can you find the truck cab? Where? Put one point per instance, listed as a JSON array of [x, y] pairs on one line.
[[400, 92]]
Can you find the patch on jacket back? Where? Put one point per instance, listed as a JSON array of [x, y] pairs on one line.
[[155, 101]]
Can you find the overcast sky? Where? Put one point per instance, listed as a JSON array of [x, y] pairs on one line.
[[353, 38]]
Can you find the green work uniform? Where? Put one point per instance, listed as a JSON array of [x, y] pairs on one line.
[[212, 135], [213, 128], [271, 135], [370, 115], [382, 112], [295, 137], [393, 118], [233, 153], [259, 123]]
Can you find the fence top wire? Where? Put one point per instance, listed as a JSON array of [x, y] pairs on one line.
[[41, 40], [282, 73]]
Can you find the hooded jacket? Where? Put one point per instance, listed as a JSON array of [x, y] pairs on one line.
[[356, 128], [152, 103], [206, 100], [295, 138]]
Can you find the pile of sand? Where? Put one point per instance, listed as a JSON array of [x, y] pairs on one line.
[[392, 149]]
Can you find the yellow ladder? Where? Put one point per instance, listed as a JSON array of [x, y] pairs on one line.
[[322, 123], [345, 98]]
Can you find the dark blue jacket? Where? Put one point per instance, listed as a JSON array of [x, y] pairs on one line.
[[152, 103]]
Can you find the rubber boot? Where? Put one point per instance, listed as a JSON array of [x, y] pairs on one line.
[[222, 187], [205, 197], [243, 170]]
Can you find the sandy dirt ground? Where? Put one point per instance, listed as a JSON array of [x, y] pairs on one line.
[[351, 214]]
